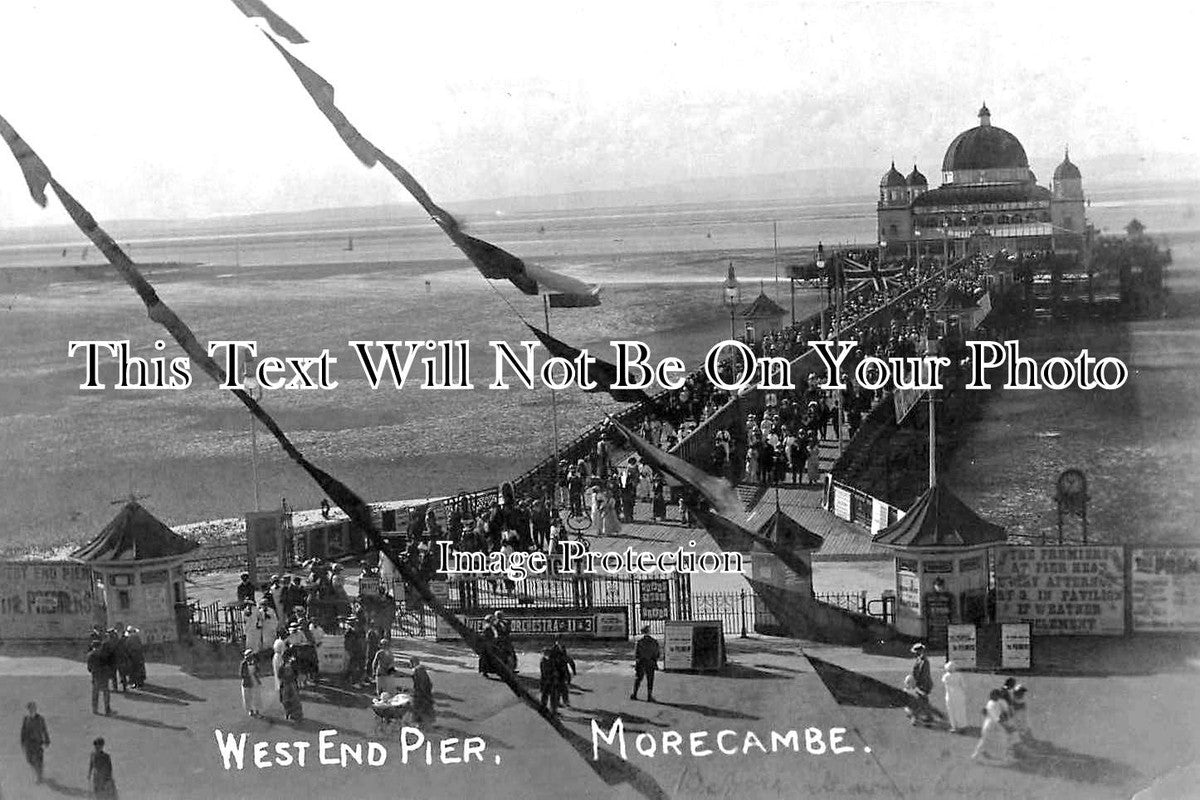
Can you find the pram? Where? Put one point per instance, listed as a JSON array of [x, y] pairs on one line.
[[392, 712]]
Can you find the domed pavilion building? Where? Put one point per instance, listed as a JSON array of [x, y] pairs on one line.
[[988, 193]]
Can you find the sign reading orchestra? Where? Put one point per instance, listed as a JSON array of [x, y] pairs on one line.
[[1070, 590], [654, 598], [535, 623], [1165, 588], [47, 600]]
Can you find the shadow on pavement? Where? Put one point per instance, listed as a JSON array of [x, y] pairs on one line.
[[146, 723], [742, 671], [706, 711], [174, 694], [146, 697], [69, 791], [606, 719], [316, 726], [852, 689], [1049, 760]]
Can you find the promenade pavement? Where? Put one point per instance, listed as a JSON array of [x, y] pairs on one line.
[[1102, 734]]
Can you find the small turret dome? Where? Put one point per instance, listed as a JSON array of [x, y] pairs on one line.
[[915, 178], [892, 178], [1067, 171]]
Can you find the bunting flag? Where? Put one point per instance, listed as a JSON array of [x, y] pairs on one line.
[[574, 300], [602, 373], [559, 283], [493, 262], [717, 492], [257, 8], [34, 169], [322, 94]]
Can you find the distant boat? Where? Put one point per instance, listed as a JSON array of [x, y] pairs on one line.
[[350, 244], [541, 228]]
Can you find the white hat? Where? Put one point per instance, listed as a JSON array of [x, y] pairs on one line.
[[917, 648]]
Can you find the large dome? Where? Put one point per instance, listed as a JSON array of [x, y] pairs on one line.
[[984, 147]]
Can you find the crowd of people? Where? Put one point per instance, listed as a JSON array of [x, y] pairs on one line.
[[114, 657]]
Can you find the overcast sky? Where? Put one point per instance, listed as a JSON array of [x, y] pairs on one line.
[[150, 108]]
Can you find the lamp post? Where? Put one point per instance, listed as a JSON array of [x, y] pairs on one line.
[[732, 297], [256, 391], [917, 234], [945, 244]]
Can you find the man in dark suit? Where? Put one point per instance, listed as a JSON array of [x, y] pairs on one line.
[[35, 738], [645, 664]]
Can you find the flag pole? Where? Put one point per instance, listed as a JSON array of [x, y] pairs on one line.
[[553, 397], [932, 443], [775, 256], [838, 337]]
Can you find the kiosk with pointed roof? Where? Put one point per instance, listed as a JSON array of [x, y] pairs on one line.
[[782, 553], [940, 538], [763, 316], [138, 564]]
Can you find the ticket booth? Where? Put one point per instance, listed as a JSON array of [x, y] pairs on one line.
[[138, 565], [941, 549]]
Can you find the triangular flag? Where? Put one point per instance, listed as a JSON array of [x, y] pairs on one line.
[[574, 300], [37, 174], [322, 94], [257, 8], [495, 262], [602, 373], [559, 283]]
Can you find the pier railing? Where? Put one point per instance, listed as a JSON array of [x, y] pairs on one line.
[[696, 448]]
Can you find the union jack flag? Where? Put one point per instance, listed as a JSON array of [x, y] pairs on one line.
[[852, 275]]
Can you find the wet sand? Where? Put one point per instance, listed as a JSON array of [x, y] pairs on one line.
[[69, 454]]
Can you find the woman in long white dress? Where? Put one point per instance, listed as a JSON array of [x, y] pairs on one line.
[[609, 523], [993, 738], [956, 697], [597, 505], [279, 648]]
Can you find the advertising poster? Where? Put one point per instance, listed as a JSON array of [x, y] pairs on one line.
[[1062, 591], [841, 503], [47, 600], [960, 645], [1165, 589], [1015, 649], [677, 646]]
